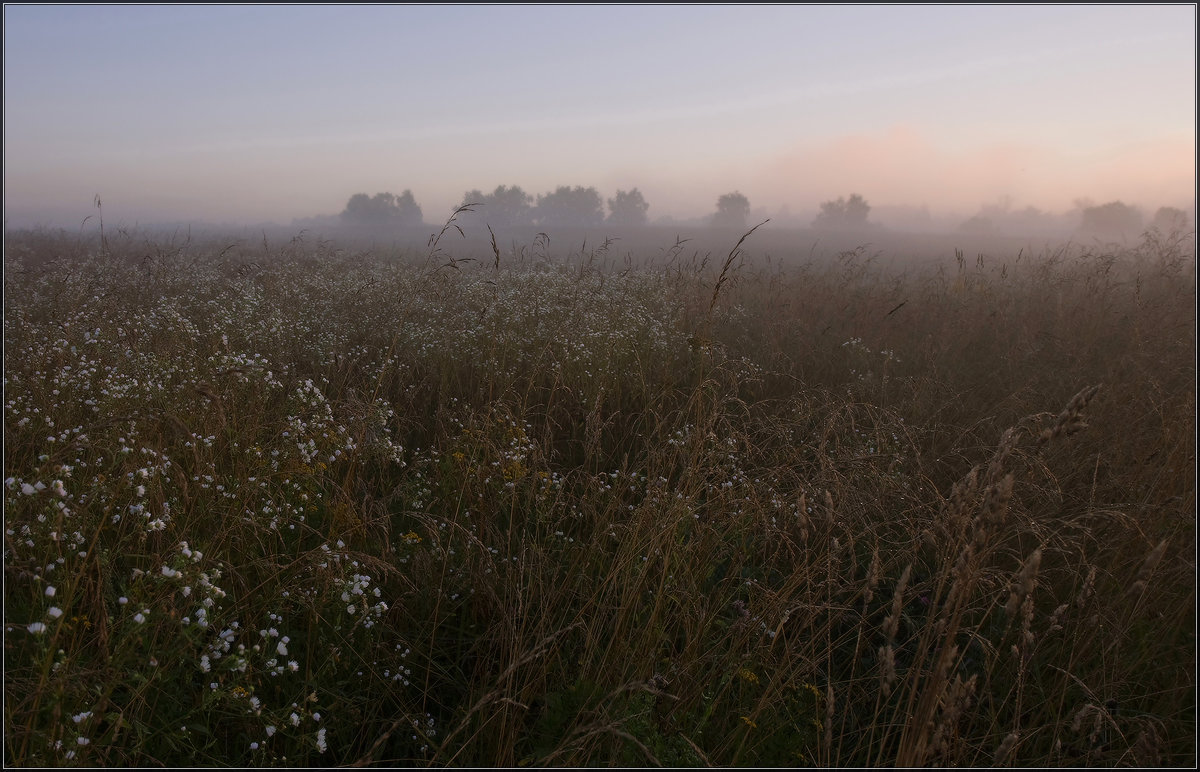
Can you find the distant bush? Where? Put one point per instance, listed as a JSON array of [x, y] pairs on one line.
[[503, 207], [383, 209], [1169, 219], [733, 210], [628, 209], [576, 207], [1115, 218], [843, 213]]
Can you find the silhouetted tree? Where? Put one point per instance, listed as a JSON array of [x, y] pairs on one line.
[[1168, 219], [383, 209], [628, 209], [504, 206], [732, 211], [843, 213], [1113, 218], [575, 207]]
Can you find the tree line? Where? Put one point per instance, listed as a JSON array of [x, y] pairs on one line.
[[1112, 219], [509, 206], [565, 206]]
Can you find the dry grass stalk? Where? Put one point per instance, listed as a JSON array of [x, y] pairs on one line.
[[892, 624], [1056, 619], [1005, 751], [502, 682], [1088, 590], [962, 575], [1097, 714], [734, 254], [956, 511], [1024, 582], [829, 706], [887, 675], [915, 743], [1027, 636], [1147, 748], [995, 506], [958, 701], [1147, 569], [1070, 420], [872, 577], [1008, 443]]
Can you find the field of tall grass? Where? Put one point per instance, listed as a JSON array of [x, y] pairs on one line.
[[304, 505]]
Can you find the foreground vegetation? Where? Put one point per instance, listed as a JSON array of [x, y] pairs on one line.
[[295, 505]]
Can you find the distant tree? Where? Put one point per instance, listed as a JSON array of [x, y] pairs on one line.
[[628, 209], [575, 207], [504, 206], [843, 213], [732, 211], [1168, 219], [1112, 219], [383, 209]]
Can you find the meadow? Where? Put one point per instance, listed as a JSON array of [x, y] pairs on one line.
[[304, 503]]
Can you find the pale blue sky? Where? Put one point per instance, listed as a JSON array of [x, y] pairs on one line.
[[244, 114]]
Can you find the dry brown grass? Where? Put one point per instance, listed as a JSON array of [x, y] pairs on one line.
[[675, 513]]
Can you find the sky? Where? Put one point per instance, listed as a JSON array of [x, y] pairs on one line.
[[252, 114]]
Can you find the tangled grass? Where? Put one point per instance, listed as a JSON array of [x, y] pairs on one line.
[[306, 506]]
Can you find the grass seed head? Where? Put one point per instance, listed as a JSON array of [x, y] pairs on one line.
[[892, 624], [1005, 751], [1024, 582], [1070, 420], [1147, 569]]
